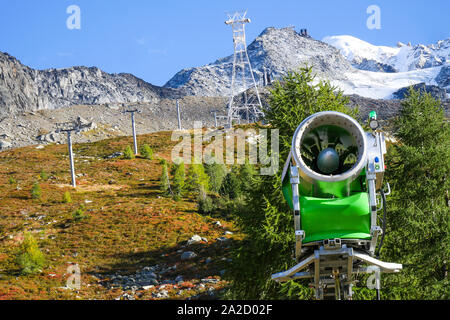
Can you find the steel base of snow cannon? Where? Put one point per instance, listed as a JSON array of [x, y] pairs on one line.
[[332, 268]]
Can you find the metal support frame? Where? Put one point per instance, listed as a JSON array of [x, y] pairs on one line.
[[299, 234], [374, 175], [329, 263], [240, 78], [375, 230]]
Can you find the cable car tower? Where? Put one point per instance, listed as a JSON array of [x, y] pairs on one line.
[[242, 77]]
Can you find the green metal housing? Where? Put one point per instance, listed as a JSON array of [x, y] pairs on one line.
[[330, 218]]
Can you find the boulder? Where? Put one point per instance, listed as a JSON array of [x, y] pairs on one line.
[[194, 239], [188, 255], [5, 145]]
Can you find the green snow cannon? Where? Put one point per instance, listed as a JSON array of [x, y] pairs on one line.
[[331, 179]]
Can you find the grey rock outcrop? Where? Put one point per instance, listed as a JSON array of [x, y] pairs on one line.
[[443, 78], [372, 65], [18, 91], [436, 91], [25, 89]]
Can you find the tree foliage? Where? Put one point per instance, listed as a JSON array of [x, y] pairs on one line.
[[147, 152], [418, 229], [231, 186], [295, 98], [128, 153], [197, 179], [179, 178], [29, 258], [164, 181], [67, 198], [36, 191], [216, 173]]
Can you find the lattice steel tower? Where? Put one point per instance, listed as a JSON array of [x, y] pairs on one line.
[[242, 77]]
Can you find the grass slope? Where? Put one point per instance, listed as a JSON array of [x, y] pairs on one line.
[[129, 225]]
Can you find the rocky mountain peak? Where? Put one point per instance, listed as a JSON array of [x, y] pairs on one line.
[[277, 50]]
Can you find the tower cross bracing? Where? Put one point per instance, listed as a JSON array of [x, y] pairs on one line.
[[242, 77]]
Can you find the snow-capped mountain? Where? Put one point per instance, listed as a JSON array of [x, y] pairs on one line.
[[355, 66], [402, 58], [383, 68]]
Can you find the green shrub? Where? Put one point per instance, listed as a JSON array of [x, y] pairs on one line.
[[230, 207], [66, 197], [205, 203], [12, 180], [29, 258], [36, 191], [128, 153], [79, 214], [43, 175], [147, 152]]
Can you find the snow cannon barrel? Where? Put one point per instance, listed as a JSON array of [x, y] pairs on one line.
[[330, 150]]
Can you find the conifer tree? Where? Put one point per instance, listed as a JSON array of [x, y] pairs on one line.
[[147, 152], [164, 181], [36, 191], [232, 184], [418, 221], [29, 257], [197, 179], [179, 178], [128, 153], [216, 173], [247, 176], [67, 197]]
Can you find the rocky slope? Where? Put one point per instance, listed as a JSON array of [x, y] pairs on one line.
[[276, 50], [104, 121], [25, 89]]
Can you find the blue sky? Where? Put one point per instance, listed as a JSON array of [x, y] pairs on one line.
[[155, 39]]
